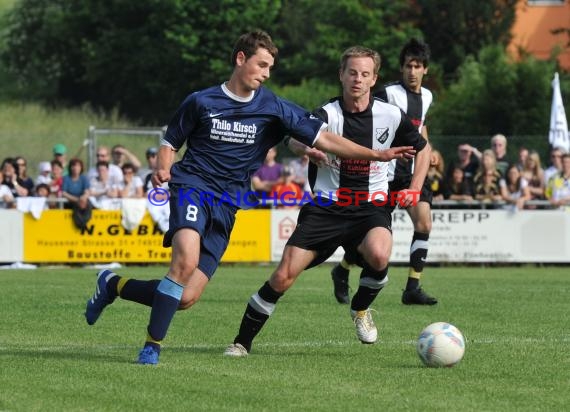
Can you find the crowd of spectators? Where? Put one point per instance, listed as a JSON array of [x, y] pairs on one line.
[[487, 177], [118, 173]]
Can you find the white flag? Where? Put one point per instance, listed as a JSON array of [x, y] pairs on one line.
[[558, 136]]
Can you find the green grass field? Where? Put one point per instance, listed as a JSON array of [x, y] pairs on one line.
[[515, 320]]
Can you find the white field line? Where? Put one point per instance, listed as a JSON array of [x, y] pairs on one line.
[[305, 344]]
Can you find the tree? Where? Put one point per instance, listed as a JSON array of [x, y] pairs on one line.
[[141, 57], [493, 94], [456, 29]]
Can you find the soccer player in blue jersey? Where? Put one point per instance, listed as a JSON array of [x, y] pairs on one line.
[[228, 130], [409, 95], [359, 221]]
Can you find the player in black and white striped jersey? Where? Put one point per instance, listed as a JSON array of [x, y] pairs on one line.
[[415, 100]]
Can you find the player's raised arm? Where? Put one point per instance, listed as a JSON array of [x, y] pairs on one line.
[[333, 143]]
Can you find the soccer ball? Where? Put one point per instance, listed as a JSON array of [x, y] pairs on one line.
[[441, 344]]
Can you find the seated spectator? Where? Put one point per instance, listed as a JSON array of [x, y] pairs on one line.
[[56, 184], [132, 185], [6, 198], [514, 188], [300, 170], [59, 154], [558, 188], [486, 182], [75, 186], [45, 173], [534, 175], [555, 164], [151, 160], [25, 180], [42, 190], [104, 186], [468, 160], [434, 177], [499, 147], [286, 192], [11, 179], [115, 171], [457, 187], [523, 155], [121, 156], [268, 174]]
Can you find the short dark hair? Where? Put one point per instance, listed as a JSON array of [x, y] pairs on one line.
[[73, 162], [415, 50], [248, 43]]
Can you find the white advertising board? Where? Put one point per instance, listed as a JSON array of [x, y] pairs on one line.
[[12, 238], [466, 235]]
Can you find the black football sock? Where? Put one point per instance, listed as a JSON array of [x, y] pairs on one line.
[[259, 308], [418, 255], [370, 285]]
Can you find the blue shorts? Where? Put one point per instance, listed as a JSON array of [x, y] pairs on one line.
[[214, 222]]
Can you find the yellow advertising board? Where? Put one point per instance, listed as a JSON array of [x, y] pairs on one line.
[[55, 239]]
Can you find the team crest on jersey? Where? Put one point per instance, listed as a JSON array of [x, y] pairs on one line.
[[382, 134]]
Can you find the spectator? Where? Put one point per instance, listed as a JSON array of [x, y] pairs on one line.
[[514, 188], [286, 190], [487, 179], [467, 160], [6, 197], [534, 175], [44, 173], [132, 185], [42, 190], [26, 181], [59, 154], [268, 174], [56, 184], [11, 179], [151, 160], [75, 186], [555, 164], [558, 188], [122, 156], [499, 147], [457, 187], [523, 155], [300, 171], [104, 186], [434, 176], [115, 171]]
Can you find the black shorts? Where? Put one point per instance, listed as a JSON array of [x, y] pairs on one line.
[[325, 228], [403, 182]]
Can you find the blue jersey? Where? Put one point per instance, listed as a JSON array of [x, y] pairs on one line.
[[227, 137]]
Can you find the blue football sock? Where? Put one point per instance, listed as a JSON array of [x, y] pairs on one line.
[[166, 300]]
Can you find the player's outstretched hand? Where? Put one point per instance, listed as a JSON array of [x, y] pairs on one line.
[[402, 152], [159, 177], [317, 156]]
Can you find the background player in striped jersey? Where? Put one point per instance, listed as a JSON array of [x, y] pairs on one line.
[[361, 226], [409, 95], [228, 130]]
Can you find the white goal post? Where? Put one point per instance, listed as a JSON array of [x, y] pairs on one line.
[[94, 132]]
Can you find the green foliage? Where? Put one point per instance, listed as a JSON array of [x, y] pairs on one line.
[[496, 95], [310, 94], [312, 47], [307, 358], [456, 29], [142, 57]]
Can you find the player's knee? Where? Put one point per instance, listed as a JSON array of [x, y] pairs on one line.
[[378, 260], [188, 300]]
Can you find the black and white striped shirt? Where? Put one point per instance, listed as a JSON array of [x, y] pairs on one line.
[[415, 105], [379, 127]]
